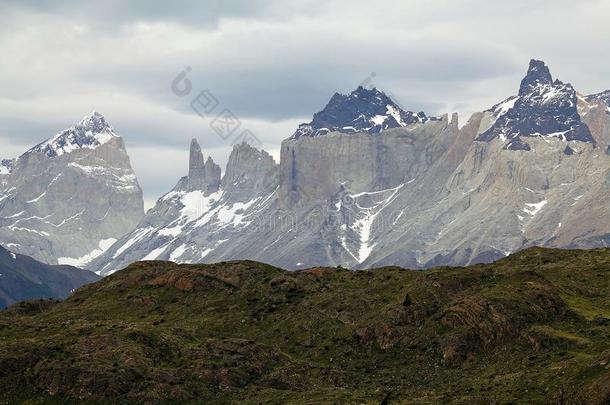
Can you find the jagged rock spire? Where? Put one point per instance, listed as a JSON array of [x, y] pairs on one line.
[[204, 176], [195, 159]]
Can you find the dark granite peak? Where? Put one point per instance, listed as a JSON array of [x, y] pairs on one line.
[[363, 110], [543, 108]]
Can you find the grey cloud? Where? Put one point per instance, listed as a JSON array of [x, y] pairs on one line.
[[200, 14], [274, 64], [286, 89]]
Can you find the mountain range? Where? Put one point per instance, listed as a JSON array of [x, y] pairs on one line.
[[365, 183]]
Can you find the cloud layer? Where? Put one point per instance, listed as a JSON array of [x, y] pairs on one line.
[[272, 64]]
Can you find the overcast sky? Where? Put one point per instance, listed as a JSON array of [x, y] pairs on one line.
[[272, 63]]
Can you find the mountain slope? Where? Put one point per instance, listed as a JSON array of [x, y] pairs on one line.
[[531, 328], [23, 278], [192, 221], [67, 199]]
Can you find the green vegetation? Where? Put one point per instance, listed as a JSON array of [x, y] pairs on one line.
[[531, 328]]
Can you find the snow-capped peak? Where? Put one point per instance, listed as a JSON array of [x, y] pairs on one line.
[[95, 122], [363, 110], [91, 132]]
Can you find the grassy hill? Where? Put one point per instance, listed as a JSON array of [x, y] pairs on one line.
[[531, 328]]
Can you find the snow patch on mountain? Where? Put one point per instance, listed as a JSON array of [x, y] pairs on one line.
[[364, 208], [155, 253], [533, 208], [81, 262], [137, 235], [179, 251]]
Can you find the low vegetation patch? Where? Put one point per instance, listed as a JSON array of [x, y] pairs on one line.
[[530, 328]]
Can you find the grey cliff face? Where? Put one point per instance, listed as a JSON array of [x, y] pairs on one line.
[[533, 170], [315, 168], [69, 198], [250, 172]]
